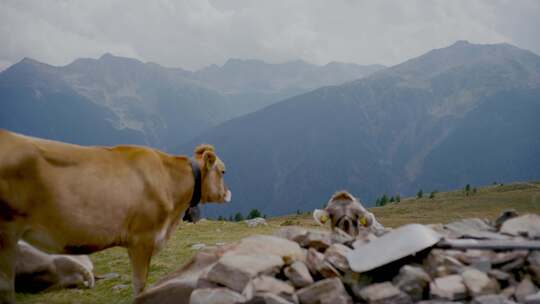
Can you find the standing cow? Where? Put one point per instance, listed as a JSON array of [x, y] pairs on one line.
[[71, 199]]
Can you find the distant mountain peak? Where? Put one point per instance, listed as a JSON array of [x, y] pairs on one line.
[[107, 56], [462, 54], [110, 58], [461, 43]]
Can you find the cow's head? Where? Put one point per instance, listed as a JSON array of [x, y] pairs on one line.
[[345, 213], [212, 171]]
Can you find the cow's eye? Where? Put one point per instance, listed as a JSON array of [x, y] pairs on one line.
[[223, 172]]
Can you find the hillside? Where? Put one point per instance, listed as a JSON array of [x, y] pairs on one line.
[[462, 114], [114, 100], [445, 207]]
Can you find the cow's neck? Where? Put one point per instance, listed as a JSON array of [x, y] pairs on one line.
[[197, 188]]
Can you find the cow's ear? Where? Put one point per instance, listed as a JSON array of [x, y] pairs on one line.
[[199, 151], [209, 158], [320, 216]]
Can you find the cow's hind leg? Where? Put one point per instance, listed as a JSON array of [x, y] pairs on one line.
[[140, 256], [8, 251]]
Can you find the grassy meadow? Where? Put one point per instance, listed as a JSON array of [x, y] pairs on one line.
[[487, 202]]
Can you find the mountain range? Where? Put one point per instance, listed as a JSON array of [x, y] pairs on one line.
[[291, 134], [464, 114], [122, 100]]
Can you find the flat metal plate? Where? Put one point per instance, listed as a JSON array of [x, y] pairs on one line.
[[397, 244]]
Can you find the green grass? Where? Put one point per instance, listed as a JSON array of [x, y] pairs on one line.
[[488, 202]]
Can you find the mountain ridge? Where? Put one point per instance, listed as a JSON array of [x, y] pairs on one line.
[[166, 106], [374, 135]]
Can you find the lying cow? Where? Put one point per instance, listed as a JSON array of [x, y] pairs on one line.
[[71, 199], [36, 270], [346, 213]]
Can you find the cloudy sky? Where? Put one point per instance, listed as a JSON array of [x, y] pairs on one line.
[[195, 33]]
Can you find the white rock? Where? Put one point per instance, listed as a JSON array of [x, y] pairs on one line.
[[478, 283], [198, 246], [298, 274], [337, 256], [448, 288], [258, 221], [525, 225], [268, 245], [324, 291], [413, 281], [235, 271], [384, 293], [268, 284], [524, 289]]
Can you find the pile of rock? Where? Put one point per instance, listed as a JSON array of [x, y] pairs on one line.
[[471, 260]]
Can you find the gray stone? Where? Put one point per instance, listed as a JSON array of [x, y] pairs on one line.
[[508, 256], [412, 280], [267, 298], [382, 293], [235, 271], [292, 233], [508, 292], [258, 221], [215, 296], [516, 264], [474, 228], [109, 276], [339, 236], [479, 259], [492, 299], [268, 245], [499, 275], [439, 264], [267, 284], [177, 286], [526, 225], [438, 302], [317, 265], [341, 299], [504, 216], [198, 246], [323, 292], [524, 289], [534, 265], [535, 273], [337, 256], [448, 288], [298, 274], [533, 299], [534, 258], [392, 246], [478, 283], [316, 239], [357, 282]]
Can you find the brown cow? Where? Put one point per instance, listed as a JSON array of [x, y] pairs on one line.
[[71, 199], [346, 213]]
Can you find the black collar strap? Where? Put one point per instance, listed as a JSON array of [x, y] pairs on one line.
[[196, 198]]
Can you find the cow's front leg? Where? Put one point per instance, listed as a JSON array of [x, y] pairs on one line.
[[140, 256], [8, 249]]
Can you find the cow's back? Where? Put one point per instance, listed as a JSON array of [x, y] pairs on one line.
[[73, 193]]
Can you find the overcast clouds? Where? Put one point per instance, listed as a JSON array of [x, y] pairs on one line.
[[192, 34]]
